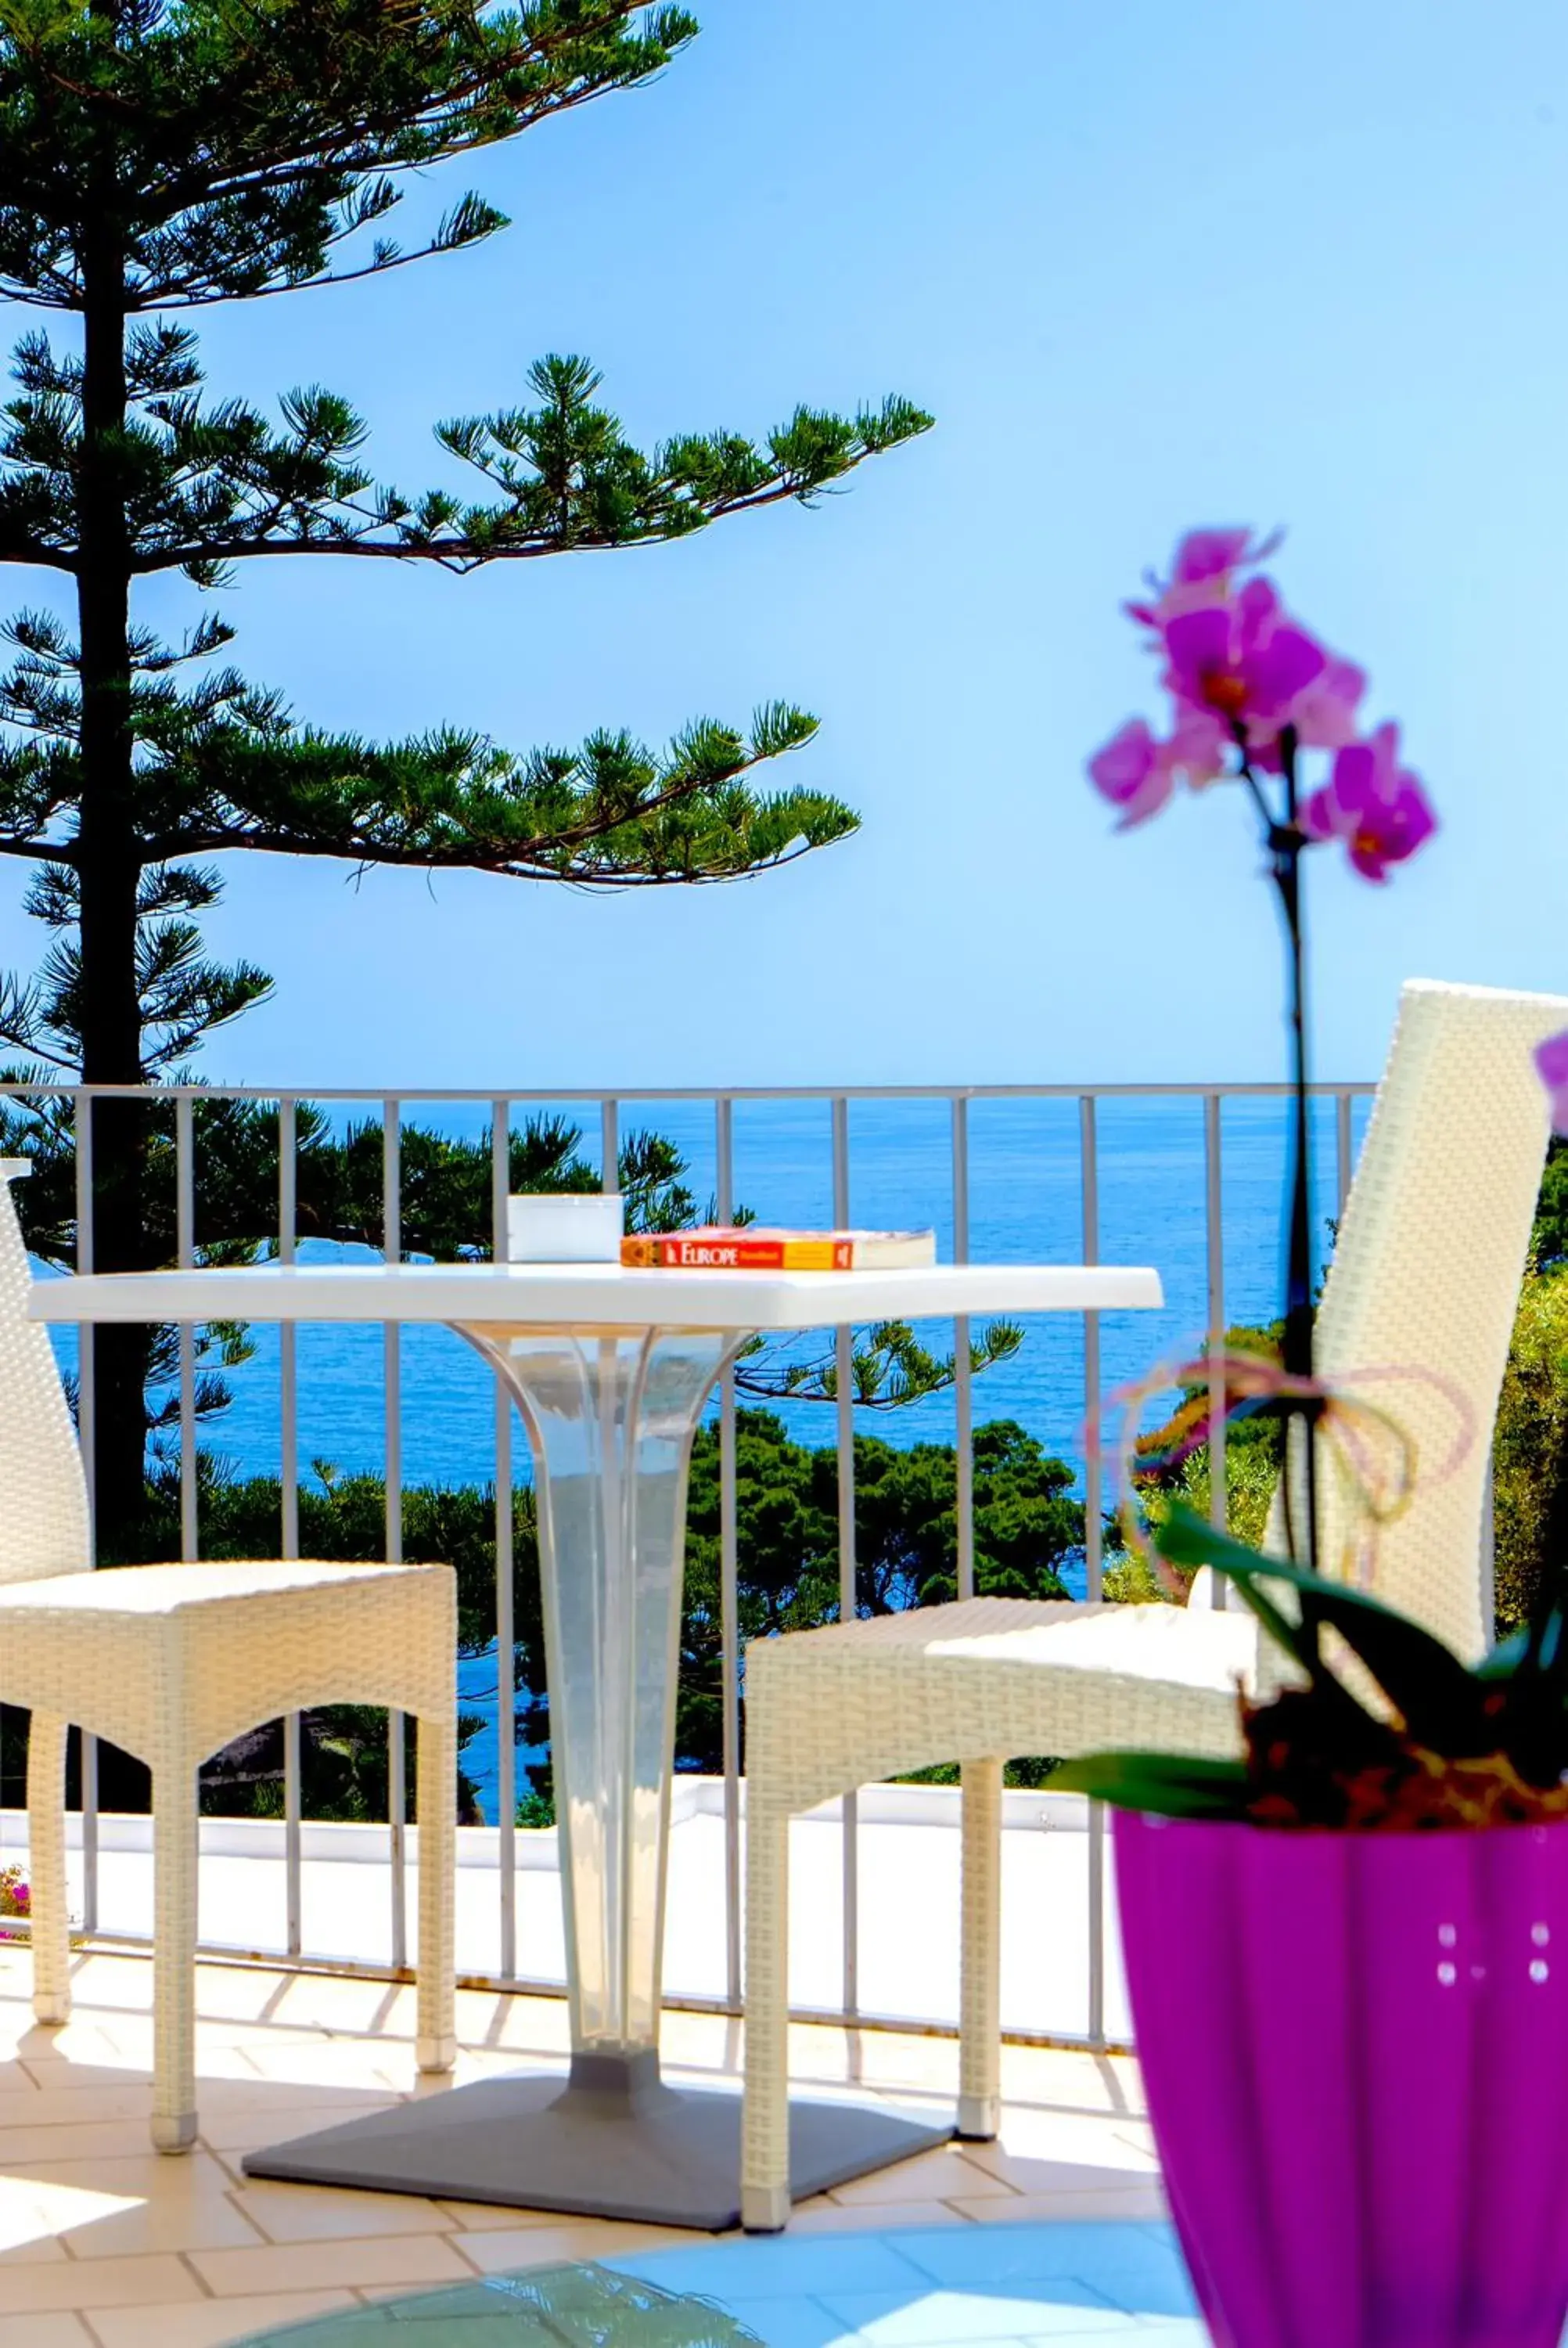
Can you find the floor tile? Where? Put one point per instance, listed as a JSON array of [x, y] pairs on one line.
[[1134, 2201], [331, 2063], [236, 1993], [493, 2218], [97, 2283], [109, 2217], [280, 2055], [880, 2058], [410, 2259], [304, 2213], [536, 2025], [66, 2099], [78, 2042], [1136, 2267], [946, 2319], [700, 2042], [331, 2002], [192, 2222], [787, 2322], [1097, 2139], [822, 2216], [74, 2140], [930, 2176], [562, 2241], [26, 2235], [273, 2118], [477, 2062], [253, 2093], [766, 2266], [139, 2175], [210, 2323]]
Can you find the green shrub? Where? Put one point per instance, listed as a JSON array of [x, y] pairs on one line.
[[1531, 1438]]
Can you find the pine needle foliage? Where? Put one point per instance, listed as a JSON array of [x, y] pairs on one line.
[[159, 156]]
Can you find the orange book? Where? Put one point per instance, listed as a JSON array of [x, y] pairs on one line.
[[747, 1247]]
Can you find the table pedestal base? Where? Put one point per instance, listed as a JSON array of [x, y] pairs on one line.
[[615, 2142]]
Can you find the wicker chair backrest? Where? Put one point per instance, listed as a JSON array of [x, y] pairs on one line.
[[44, 1522], [1426, 1275]]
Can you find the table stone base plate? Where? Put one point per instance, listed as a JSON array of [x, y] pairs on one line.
[[615, 2142]]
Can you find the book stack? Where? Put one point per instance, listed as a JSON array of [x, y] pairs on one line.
[[749, 1247]]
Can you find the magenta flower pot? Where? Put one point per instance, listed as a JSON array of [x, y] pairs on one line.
[[1356, 2052]]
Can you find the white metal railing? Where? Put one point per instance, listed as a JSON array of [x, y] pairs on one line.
[[501, 1109]]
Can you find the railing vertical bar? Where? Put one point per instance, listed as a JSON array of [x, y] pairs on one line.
[[844, 1371], [1344, 1152], [506, 1623], [391, 1348], [82, 1107], [185, 1255], [963, 1388], [610, 1147], [1094, 1458], [1214, 1231], [83, 1098], [729, 1593], [1093, 1541], [288, 1499]]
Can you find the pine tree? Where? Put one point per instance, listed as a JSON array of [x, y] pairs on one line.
[[159, 155]]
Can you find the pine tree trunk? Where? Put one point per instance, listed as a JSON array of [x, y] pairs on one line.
[[109, 871]]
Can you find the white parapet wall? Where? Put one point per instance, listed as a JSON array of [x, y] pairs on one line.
[[908, 1900]]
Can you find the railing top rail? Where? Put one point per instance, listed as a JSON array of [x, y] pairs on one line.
[[486, 1095]]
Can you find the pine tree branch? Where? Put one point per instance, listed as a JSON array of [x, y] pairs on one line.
[[458, 554], [609, 815], [567, 480], [179, 299], [446, 125], [242, 136], [221, 766]]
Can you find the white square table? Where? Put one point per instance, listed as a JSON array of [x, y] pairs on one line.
[[610, 1370]]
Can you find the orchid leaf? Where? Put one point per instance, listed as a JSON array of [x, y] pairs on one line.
[[1442, 1704], [1167, 1784], [1508, 1658], [1185, 1539]]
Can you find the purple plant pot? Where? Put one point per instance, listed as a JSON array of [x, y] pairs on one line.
[[1355, 2053]]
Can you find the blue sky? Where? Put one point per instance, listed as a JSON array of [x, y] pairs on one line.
[[1148, 266]]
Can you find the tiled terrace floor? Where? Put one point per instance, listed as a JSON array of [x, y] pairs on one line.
[[105, 2245]]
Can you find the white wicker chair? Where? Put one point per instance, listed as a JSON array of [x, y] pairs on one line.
[[170, 1663], [1426, 1272]]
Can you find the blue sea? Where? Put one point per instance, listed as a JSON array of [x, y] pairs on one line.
[[1025, 1206]]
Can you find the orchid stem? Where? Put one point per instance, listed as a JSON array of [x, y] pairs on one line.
[[1286, 841], [1266, 813]]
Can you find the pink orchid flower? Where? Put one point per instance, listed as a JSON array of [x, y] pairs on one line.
[[1377, 808], [1243, 662], [1323, 716], [1214, 553], [1137, 774], [1130, 773], [1551, 1066], [1202, 572]]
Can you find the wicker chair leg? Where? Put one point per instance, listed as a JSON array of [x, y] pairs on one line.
[[49, 1914], [437, 2038], [980, 2001], [174, 1855], [764, 2122]]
